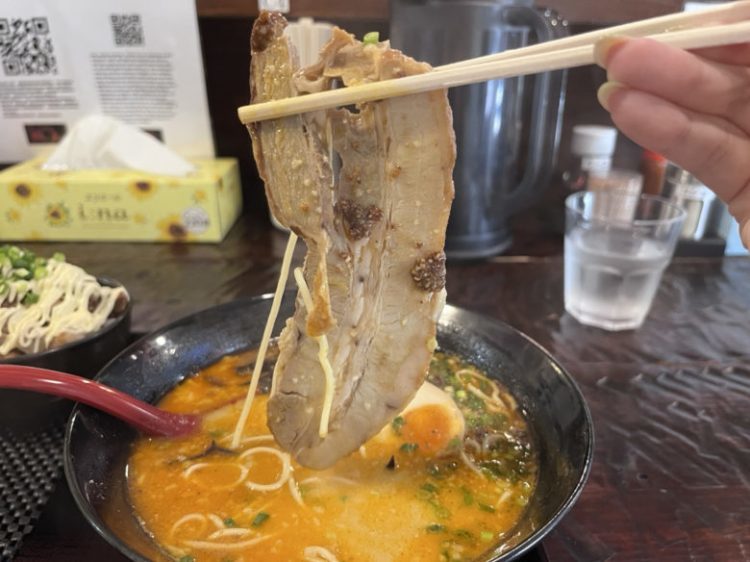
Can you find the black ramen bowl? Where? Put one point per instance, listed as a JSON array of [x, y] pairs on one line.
[[97, 446], [22, 410]]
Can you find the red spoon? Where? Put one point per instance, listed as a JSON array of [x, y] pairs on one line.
[[144, 417]]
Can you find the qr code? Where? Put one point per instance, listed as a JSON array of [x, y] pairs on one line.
[[26, 47], [127, 29]]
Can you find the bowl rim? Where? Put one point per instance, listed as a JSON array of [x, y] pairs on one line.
[[93, 519], [108, 327]]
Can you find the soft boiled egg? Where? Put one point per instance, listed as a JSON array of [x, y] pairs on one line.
[[430, 423]]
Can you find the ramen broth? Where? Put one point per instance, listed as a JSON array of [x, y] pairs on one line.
[[425, 489]]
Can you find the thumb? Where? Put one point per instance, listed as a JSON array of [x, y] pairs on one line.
[[745, 233]]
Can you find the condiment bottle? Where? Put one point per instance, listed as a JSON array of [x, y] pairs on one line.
[[684, 189], [653, 168], [592, 148]]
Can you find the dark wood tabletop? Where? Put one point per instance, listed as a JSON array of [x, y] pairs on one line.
[[670, 401]]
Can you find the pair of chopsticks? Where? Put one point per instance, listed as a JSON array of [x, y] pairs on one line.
[[724, 25]]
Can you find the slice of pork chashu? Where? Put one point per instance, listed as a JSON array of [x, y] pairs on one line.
[[374, 230]]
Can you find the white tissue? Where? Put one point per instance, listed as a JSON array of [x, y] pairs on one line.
[[98, 141]]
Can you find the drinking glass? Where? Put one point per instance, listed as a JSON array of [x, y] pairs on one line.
[[617, 246]]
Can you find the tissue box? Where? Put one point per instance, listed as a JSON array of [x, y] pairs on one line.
[[124, 205]]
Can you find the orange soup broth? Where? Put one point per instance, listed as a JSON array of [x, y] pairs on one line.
[[382, 503]]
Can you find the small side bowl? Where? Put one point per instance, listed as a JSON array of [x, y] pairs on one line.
[[22, 410]]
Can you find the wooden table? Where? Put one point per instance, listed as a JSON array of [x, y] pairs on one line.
[[671, 401]]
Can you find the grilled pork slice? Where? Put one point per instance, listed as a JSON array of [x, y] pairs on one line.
[[369, 190]]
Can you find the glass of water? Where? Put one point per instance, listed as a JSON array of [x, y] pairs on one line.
[[617, 246]]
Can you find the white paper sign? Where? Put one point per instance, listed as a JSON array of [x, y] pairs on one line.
[[274, 6], [137, 60]]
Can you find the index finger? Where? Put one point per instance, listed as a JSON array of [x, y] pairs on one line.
[[678, 76], [738, 55]]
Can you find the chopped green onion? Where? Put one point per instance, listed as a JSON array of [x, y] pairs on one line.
[[461, 394], [463, 534], [397, 423], [58, 256], [487, 508], [229, 522], [454, 443], [186, 559], [30, 298], [259, 519], [431, 488], [486, 536], [409, 447], [371, 38], [441, 511], [435, 528], [468, 497]]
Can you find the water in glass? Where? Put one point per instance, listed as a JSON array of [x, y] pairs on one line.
[[611, 275]]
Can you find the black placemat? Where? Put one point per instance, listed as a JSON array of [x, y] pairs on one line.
[[30, 466]]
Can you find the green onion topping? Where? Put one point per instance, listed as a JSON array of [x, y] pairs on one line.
[[468, 497], [431, 488], [259, 519], [397, 423], [17, 266], [30, 298], [408, 447]]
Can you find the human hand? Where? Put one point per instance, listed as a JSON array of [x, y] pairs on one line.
[[691, 107]]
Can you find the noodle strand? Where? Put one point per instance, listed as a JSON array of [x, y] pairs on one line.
[[322, 357], [201, 465], [294, 491], [275, 306], [286, 468], [207, 545], [319, 554]]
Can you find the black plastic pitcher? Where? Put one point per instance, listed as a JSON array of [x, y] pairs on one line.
[[507, 131]]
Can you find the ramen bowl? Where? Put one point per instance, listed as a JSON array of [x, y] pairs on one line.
[[97, 446], [85, 356]]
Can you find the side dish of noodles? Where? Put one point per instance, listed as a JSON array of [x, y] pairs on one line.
[[447, 479], [47, 302]]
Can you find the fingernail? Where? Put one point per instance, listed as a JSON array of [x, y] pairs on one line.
[[603, 49], [606, 91]]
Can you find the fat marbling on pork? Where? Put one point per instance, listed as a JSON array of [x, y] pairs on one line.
[[369, 190]]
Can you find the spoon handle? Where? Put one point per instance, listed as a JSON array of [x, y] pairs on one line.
[[144, 417]]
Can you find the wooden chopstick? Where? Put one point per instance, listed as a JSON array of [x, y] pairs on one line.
[[694, 38], [725, 13]]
